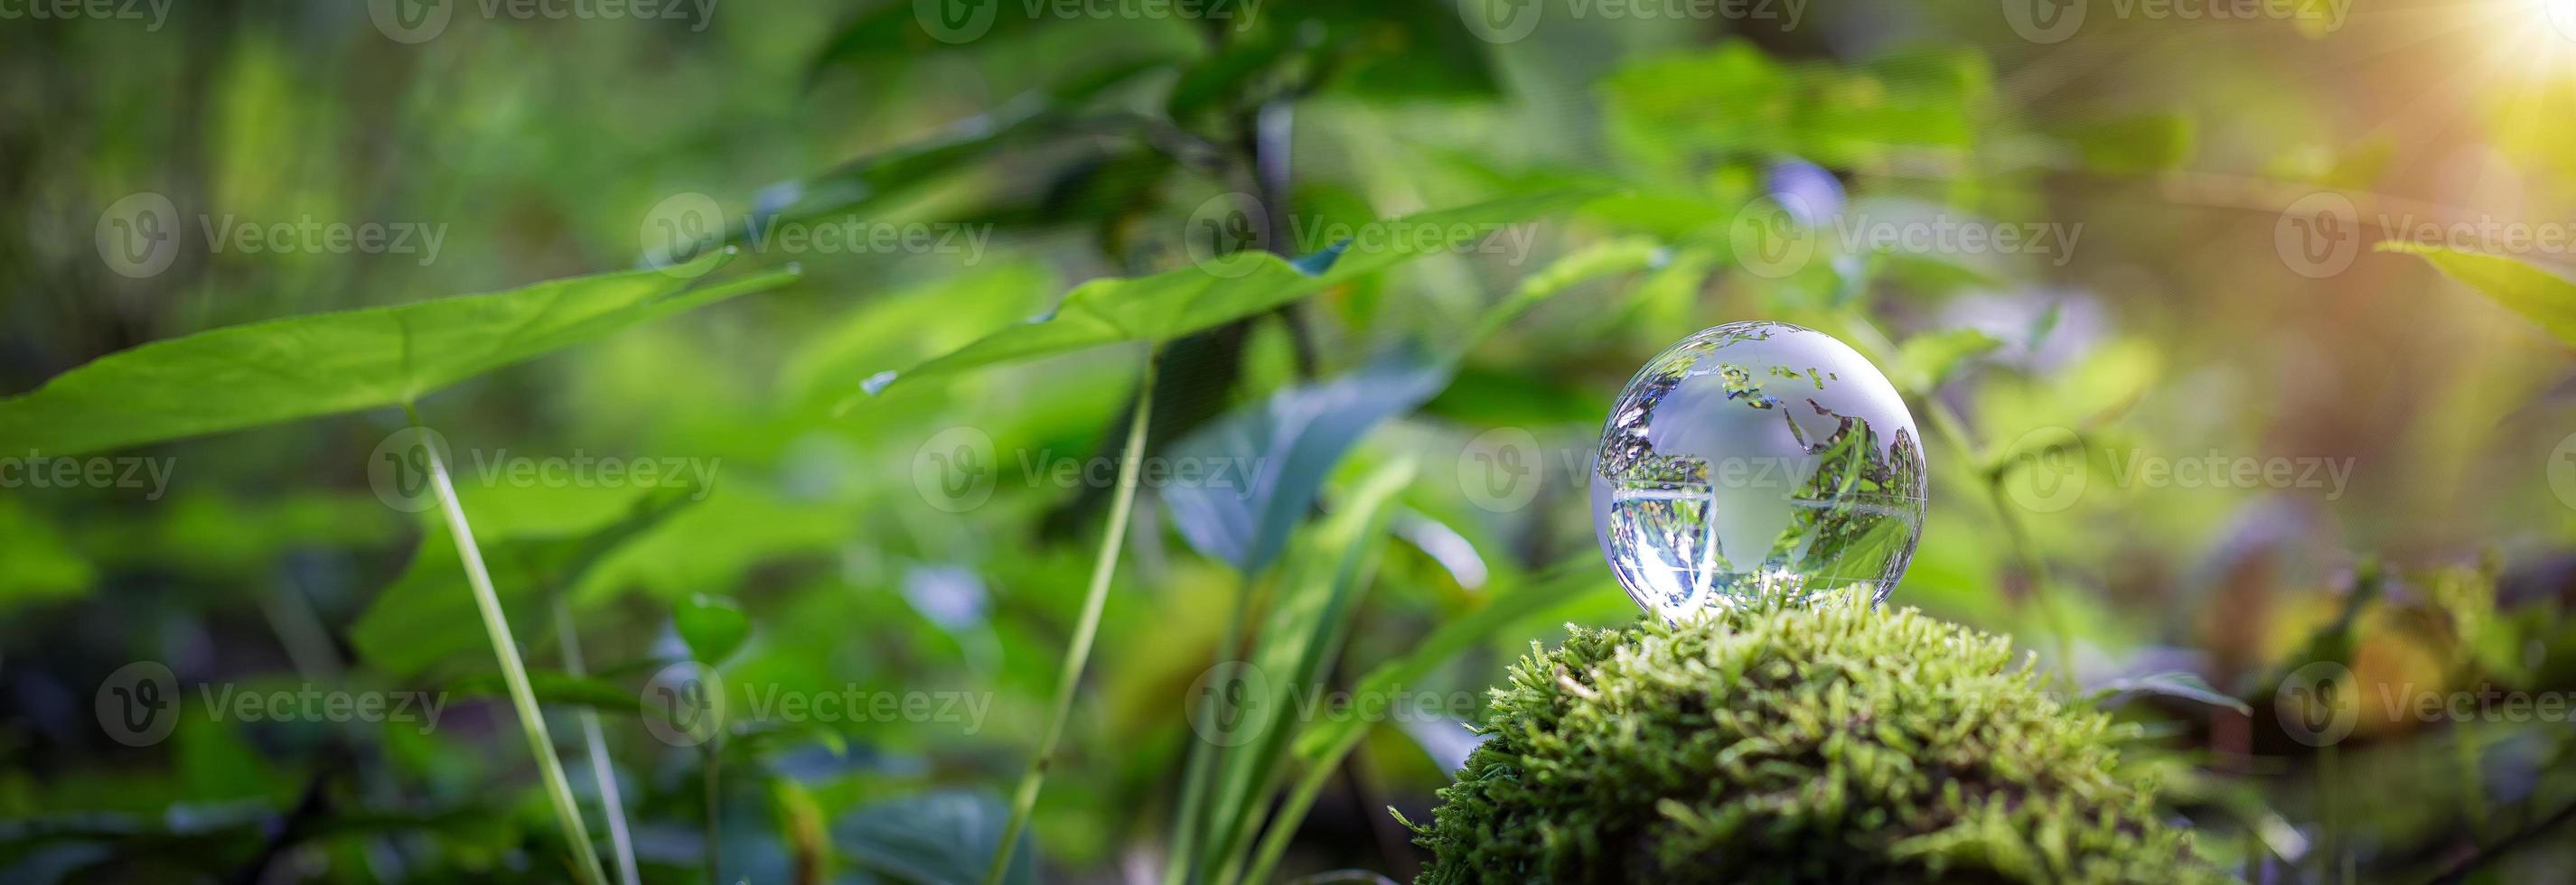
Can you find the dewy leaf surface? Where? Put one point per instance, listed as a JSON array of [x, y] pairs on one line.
[[237, 377], [1178, 302]]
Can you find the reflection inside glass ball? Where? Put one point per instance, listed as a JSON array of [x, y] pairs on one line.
[[1757, 460]]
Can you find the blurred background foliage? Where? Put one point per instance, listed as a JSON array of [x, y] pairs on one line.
[[1085, 147]]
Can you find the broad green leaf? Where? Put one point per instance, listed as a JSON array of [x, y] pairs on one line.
[[1299, 641], [711, 546], [916, 323], [943, 837], [2541, 296], [36, 564], [1266, 461], [713, 626], [1927, 360], [245, 376], [1174, 303], [428, 616]]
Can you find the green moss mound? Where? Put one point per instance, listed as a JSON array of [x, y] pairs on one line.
[[1837, 743]]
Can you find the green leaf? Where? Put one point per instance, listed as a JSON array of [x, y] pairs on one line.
[[1738, 101], [245, 376], [2541, 296], [2172, 684], [713, 626], [1299, 642], [1580, 575], [1605, 258], [1226, 75], [1927, 360], [1277, 454], [36, 563], [428, 616], [1174, 303], [943, 837]]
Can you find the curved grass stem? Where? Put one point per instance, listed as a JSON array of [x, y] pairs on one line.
[[514, 672], [1079, 652], [611, 805]]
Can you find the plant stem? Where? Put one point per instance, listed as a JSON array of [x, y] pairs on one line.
[[1292, 811], [514, 672], [1204, 753], [710, 758], [612, 805], [1077, 654]]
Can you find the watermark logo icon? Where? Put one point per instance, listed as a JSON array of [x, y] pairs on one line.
[[2044, 21], [2318, 704], [1773, 235], [2318, 235], [955, 469], [2562, 470], [1223, 225], [1226, 703], [1499, 469], [1500, 21], [2045, 470], [138, 236], [684, 704], [138, 704], [955, 21], [680, 227], [410, 21], [401, 468]]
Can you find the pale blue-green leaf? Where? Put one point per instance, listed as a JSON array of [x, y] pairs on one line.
[[1262, 465]]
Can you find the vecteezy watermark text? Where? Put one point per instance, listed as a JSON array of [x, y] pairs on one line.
[[1777, 235], [2321, 702], [139, 704], [961, 21], [151, 12], [419, 21], [1509, 21], [38, 471], [688, 704], [1233, 703], [957, 469], [1232, 223], [2051, 467], [400, 470], [685, 225], [140, 235], [2050, 21], [2320, 234]]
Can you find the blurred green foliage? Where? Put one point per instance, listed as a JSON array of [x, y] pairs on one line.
[[1243, 199]]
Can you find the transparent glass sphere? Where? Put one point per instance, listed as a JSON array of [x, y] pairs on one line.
[[1757, 460]]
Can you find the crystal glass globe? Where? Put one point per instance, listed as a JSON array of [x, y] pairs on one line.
[[1757, 460]]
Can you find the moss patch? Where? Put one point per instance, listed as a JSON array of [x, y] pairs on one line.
[[1822, 744]]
